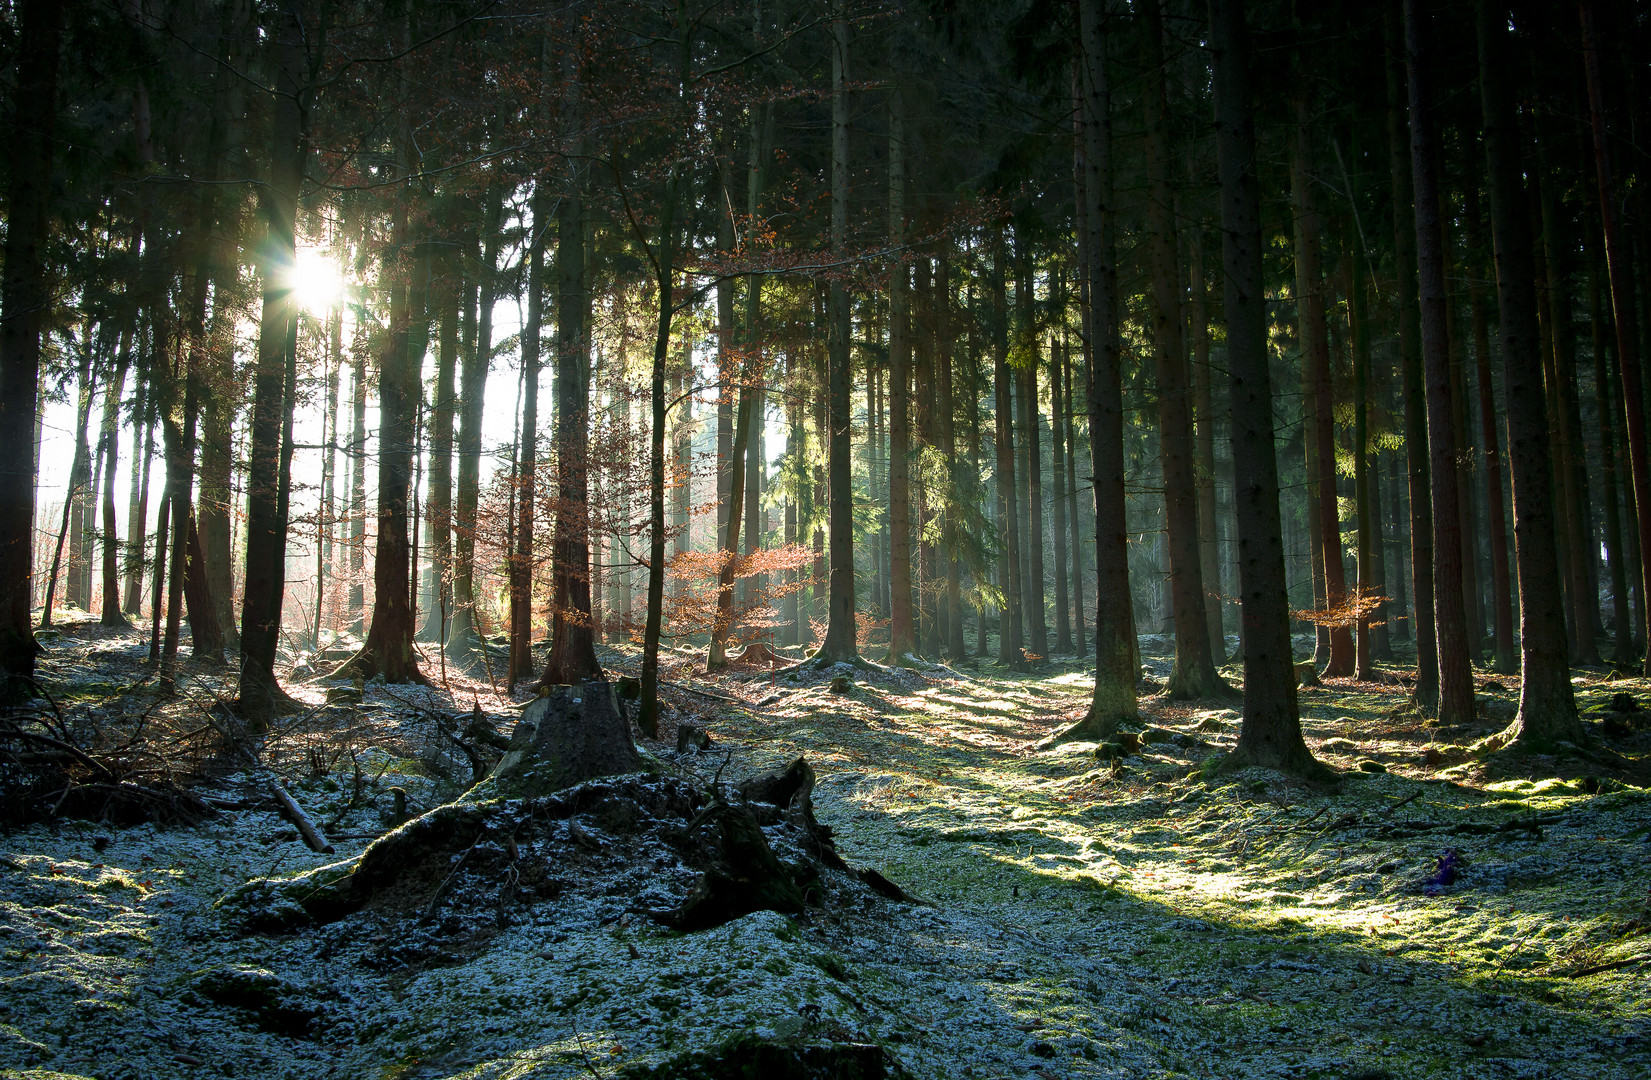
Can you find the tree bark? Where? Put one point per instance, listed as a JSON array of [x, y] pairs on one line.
[[1504, 657], [1455, 705], [664, 255], [1010, 627], [1315, 344], [1410, 365], [1547, 706], [358, 489], [527, 464], [1077, 515], [1034, 620], [1117, 665], [1570, 481], [1270, 734], [438, 514], [1059, 504], [326, 517], [137, 501], [79, 474], [573, 629], [902, 637], [464, 637], [1623, 310], [266, 529], [388, 650], [1369, 527], [840, 642], [1193, 674], [24, 304], [111, 614], [1622, 634], [1203, 400], [77, 577]]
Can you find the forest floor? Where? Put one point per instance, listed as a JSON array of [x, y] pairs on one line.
[[1079, 919]]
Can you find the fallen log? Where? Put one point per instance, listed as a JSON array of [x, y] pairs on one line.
[[295, 814]]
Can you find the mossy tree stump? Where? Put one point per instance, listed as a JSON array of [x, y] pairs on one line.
[[565, 737]]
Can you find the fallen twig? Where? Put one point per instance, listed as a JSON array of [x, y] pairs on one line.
[[1595, 969], [62, 724], [295, 814], [702, 693], [66, 747], [447, 882], [1412, 797]]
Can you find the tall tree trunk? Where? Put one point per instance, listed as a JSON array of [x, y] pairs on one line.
[[1010, 627], [388, 650], [573, 628], [664, 256], [1467, 505], [1034, 619], [791, 613], [959, 482], [759, 139], [573, 638], [111, 615], [464, 638], [1315, 345], [819, 574], [1369, 527], [76, 581], [974, 428], [1504, 657], [756, 453], [438, 515], [326, 518], [1077, 515], [1569, 478], [1193, 674], [79, 475], [1622, 634], [1455, 669], [137, 501], [1410, 365], [1203, 400], [1058, 409], [1625, 316], [1117, 666], [527, 463], [24, 303], [1271, 731], [180, 478], [840, 639], [902, 639], [266, 528], [1547, 706], [358, 487]]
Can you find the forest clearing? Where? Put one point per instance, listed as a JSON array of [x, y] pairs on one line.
[[1072, 918]]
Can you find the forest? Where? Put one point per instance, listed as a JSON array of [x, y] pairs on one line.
[[825, 539]]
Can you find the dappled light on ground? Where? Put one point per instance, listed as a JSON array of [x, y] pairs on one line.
[[1081, 917]]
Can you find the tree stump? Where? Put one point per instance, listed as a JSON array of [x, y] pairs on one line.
[[759, 652], [565, 737]]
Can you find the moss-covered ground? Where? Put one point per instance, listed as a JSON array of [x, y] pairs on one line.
[[1149, 917]]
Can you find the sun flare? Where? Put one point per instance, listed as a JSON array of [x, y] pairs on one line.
[[318, 284]]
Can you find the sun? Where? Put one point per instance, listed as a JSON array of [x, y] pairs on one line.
[[318, 284]]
